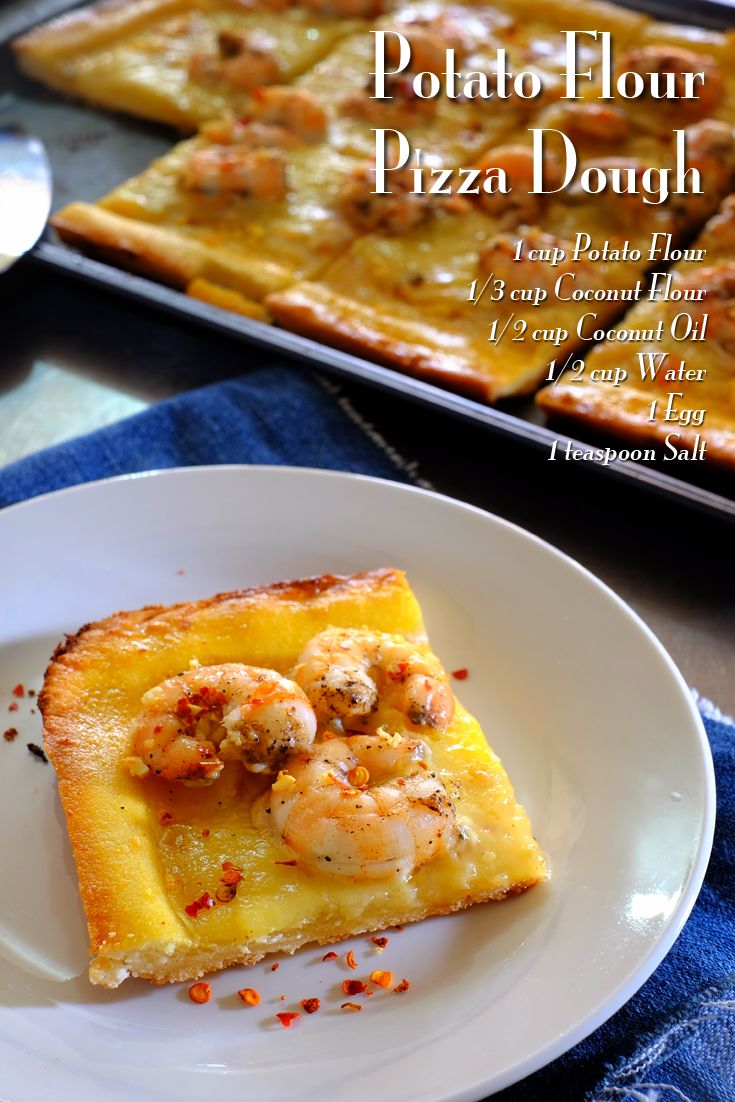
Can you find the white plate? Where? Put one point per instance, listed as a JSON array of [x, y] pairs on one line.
[[593, 722]]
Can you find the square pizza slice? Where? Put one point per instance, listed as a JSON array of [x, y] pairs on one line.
[[673, 381], [473, 294], [238, 211], [181, 61], [268, 768]]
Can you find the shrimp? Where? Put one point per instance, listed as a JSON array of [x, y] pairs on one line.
[[675, 65], [395, 212], [518, 205], [368, 807], [347, 672], [718, 303], [589, 122], [223, 169], [295, 109], [191, 724], [244, 60], [248, 135], [402, 102]]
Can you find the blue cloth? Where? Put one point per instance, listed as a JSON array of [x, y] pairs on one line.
[[675, 1039]]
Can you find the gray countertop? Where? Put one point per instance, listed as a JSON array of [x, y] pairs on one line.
[[73, 357]]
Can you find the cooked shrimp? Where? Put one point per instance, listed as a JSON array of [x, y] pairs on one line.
[[223, 169], [347, 672], [718, 303], [249, 135], [518, 205], [497, 259], [296, 109], [588, 122], [192, 723], [367, 807], [398, 211], [402, 104], [244, 60], [674, 65]]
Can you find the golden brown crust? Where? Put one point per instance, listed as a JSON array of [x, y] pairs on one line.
[[315, 311], [626, 415], [86, 28]]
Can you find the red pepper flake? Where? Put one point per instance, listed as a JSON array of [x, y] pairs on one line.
[[404, 985], [350, 1006], [275, 967], [19, 690], [200, 992], [227, 865], [180, 572], [350, 960], [379, 942], [13, 707], [231, 876], [291, 863], [310, 1005], [165, 816], [37, 752], [354, 987], [287, 1019], [226, 893], [205, 832], [399, 929], [461, 675], [249, 996], [10, 734], [31, 692], [205, 902], [331, 955]]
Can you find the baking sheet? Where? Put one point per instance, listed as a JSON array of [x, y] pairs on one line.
[[91, 151]]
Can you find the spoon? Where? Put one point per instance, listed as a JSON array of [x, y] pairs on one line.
[[25, 194]]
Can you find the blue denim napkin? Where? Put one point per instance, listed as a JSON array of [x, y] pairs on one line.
[[675, 1040]]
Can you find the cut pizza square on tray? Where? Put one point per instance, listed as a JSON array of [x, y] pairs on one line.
[[654, 388], [268, 768], [239, 211], [180, 61], [473, 294]]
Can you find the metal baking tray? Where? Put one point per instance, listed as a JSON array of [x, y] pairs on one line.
[[91, 151]]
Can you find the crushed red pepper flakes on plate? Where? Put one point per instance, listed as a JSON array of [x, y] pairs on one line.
[[379, 943], [231, 877], [37, 752], [165, 816], [13, 706], [205, 832], [404, 985], [227, 865], [461, 675], [310, 1005], [10, 734], [275, 967], [287, 1019], [331, 955], [354, 987], [200, 992], [381, 979], [205, 902], [350, 960], [226, 893], [350, 1006], [249, 996], [31, 692], [19, 690]]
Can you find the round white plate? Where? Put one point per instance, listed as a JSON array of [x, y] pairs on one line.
[[594, 724]]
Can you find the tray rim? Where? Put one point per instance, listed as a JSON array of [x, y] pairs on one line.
[[61, 258]]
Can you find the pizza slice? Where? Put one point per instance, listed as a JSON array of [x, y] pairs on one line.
[[455, 129], [183, 61], [268, 768], [232, 214], [473, 294], [673, 381]]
